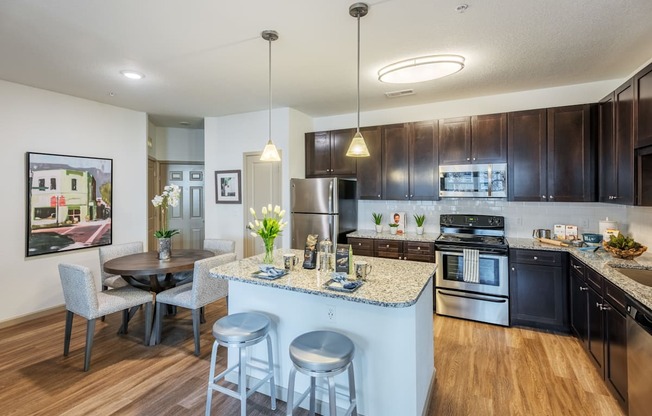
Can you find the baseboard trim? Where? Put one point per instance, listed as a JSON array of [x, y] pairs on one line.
[[424, 412], [31, 316]]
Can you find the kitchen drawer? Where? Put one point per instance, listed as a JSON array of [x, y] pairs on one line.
[[542, 257], [615, 296], [427, 258], [421, 248], [594, 279], [389, 249], [577, 266], [362, 246]]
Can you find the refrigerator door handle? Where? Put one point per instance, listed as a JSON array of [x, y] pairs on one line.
[[330, 197]]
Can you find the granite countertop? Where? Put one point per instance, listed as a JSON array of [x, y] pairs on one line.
[[603, 263], [391, 283], [407, 236]]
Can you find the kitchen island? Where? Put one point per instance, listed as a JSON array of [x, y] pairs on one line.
[[389, 319]]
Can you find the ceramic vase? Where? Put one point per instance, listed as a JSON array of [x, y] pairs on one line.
[[379, 228], [164, 248], [420, 230], [392, 230]]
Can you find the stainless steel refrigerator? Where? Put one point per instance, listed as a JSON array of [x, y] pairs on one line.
[[324, 206]]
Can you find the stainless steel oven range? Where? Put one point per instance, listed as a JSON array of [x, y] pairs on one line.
[[472, 278]]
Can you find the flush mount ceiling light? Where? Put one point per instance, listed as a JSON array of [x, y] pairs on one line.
[[358, 147], [270, 153], [132, 74], [425, 68]]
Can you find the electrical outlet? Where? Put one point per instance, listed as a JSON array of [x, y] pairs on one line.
[[585, 224], [330, 311]]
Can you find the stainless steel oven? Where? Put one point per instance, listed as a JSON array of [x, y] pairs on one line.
[[472, 278]]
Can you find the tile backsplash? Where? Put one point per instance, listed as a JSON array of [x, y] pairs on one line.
[[520, 217]]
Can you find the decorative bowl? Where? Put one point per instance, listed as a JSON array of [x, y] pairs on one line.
[[624, 254], [591, 237]]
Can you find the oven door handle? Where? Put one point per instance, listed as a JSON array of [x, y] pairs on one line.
[[474, 297], [482, 255]]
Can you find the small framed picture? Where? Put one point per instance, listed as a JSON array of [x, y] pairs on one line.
[[228, 187], [399, 218]]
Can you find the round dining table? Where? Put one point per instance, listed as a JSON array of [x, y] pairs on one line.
[[146, 271]]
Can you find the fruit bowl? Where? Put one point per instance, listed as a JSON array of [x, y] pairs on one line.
[[627, 254]]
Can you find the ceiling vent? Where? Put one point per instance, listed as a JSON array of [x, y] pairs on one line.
[[401, 93]]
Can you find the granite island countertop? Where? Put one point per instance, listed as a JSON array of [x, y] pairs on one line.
[[603, 263], [391, 283]]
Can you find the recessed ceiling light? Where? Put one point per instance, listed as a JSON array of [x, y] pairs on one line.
[[424, 68], [132, 74]]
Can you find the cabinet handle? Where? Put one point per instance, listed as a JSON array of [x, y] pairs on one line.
[[550, 197], [406, 196], [605, 307], [359, 244], [411, 195], [598, 305], [468, 158], [387, 246], [513, 269], [576, 267], [378, 195], [535, 258], [543, 196], [473, 158], [418, 248], [583, 288]]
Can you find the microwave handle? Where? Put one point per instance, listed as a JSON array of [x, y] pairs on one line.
[[491, 180]]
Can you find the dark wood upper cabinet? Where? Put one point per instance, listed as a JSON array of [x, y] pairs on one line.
[[607, 181], [477, 139], [643, 107], [455, 141], [369, 175], [410, 161], [527, 158], [489, 138], [624, 144], [571, 154], [326, 154], [395, 138], [424, 171]]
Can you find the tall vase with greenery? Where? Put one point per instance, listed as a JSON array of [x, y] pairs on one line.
[[268, 228], [378, 220], [168, 198], [419, 219]]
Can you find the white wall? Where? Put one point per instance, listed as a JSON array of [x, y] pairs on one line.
[[178, 144], [524, 100], [227, 139], [42, 121], [640, 224]]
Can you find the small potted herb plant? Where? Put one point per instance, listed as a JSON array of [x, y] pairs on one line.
[[393, 227], [378, 220], [419, 219]]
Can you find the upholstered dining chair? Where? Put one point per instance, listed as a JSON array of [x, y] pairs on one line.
[[111, 252], [203, 290], [219, 246], [83, 299]]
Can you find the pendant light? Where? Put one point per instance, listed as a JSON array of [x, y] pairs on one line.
[[358, 148], [270, 153]]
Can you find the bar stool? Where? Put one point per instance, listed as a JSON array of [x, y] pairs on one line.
[[322, 354], [241, 330]]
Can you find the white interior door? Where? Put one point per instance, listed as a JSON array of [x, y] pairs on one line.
[[262, 186], [152, 212], [188, 216]]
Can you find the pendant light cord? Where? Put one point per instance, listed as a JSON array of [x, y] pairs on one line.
[[358, 128], [270, 89]]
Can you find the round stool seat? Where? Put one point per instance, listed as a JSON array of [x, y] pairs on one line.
[[321, 351], [241, 327]]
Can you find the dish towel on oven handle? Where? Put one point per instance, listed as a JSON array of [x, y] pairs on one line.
[[471, 266]]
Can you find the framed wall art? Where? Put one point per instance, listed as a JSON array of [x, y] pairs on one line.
[[69, 202], [228, 187]]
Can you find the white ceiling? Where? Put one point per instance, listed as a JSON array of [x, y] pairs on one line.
[[206, 57]]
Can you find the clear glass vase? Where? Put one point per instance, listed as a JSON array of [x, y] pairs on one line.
[[269, 251]]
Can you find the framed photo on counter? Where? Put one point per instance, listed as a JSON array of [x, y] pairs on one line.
[[399, 218]]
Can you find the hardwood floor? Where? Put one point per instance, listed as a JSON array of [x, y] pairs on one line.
[[481, 370]]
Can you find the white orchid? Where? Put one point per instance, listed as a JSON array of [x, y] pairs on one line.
[[168, 198]]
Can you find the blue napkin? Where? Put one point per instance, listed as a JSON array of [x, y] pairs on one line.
[[270, 270]]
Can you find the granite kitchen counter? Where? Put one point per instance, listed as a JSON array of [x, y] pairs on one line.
[[407, 236], [391, 283], [603, 263]]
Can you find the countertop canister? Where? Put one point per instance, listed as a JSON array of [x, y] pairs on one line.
[[605, 225]]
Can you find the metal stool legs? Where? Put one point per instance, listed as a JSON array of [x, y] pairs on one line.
[[241, 394], [332, 403]]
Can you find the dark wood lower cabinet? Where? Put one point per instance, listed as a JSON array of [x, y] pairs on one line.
[[599, 321], [539, 289], [394, 249]]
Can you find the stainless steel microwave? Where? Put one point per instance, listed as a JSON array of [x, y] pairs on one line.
[[477, 181]]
